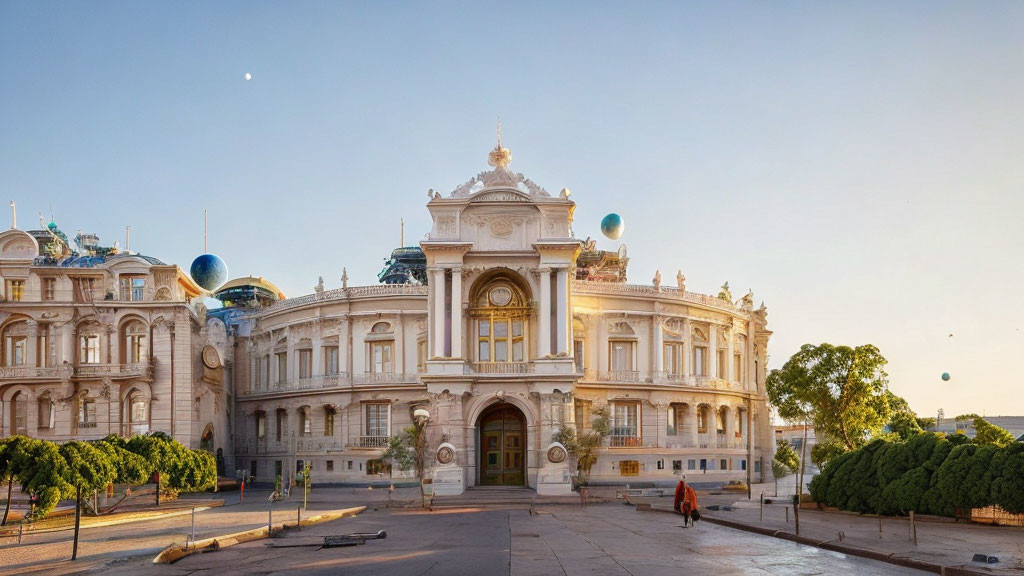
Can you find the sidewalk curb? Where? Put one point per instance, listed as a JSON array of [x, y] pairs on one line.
[[173, 553], [891, 558], [113, 522]]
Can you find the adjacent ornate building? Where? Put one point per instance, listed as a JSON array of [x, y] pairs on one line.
[[519, 328]]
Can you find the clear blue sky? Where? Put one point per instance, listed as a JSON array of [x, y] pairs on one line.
[[859, 165]]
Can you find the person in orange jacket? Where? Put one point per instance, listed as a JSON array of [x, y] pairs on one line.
[[686, 501]]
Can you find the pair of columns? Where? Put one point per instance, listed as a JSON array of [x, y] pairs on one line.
[[553, 315], [446, 312]]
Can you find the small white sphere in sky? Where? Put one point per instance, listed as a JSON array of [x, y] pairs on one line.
[[248, 76]]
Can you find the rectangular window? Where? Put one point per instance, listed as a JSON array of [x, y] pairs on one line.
[[330, 465], [282, 367], [15, 288], [582, 415], [421, 356], [252, 468], [261, 426], [757, 466], [281, 421], [132, 288], [677, 465], [629, 468], [725, 464], [674, 358], [49, 289], [699, 357], [671, 429], [266, 370], [305, 363], [380, 357], [349, 465], [378, 417], [328, 422], [136, 348], [14, 354], [306, 424], [500, 342], [737, 368], [703, 464], [691, 464], [331, 366], [721, 364], [743, 464], [87, 413], [45, 412], [277, 468], [622, 356], [577, 353], [90, 350], [625, 424]]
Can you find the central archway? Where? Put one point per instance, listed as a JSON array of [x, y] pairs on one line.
[[502, 442]]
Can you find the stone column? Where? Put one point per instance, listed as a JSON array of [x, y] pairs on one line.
[[67, 352], [687, 349], [729, 359], [317, 368], [457, 347], [691, 424], [659, 348], [748, 358], [344, 350], [399, 359], [713, 351], [5, 418], [438, 328], [114, 345], [729, 427], [544, 323], [713, 426], [293, 361], [602, 345], [31, 415], [562, 307]]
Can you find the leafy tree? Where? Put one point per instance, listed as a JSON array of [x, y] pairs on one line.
[[842, 390], [1008, 482], [175, 467], [927, 423], [41, 470], [85, 468], [966, 417], [10, 450], [903, 421], [585, 443], [409, 451], [987, 433]]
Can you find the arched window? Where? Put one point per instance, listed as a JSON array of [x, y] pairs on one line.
[[19, 414], [15, 350], [136, 413], [501, 314], [380, 347], [135, 350], [89, 343], [45, 409]]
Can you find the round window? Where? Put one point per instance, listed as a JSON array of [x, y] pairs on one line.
[[500, 295]]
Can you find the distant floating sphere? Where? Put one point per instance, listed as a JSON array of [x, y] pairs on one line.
[[209, 271], [612, 226], [945, 376], [248, 76]]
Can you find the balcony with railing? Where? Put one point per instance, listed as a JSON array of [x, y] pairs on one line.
[[317, 444], [372, 442], [142, 370], [503, 367], [31, 372], [625, 441], [384, 378], [331, 382], [627, 376]]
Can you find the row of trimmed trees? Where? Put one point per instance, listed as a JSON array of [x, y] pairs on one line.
[[929, 473], [55, 472]]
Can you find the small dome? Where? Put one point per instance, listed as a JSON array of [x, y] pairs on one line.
[[248, 289]]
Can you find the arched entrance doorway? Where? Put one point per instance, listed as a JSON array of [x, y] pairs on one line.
[[502, 446]]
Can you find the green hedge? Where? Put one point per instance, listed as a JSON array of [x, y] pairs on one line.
[[929, 473]]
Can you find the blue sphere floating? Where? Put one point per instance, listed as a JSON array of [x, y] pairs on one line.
[[209, 271], [945, 376], [612, 226]]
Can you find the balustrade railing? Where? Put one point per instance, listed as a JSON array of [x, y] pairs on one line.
[[592, 287], [30, 372], [503, 367], [345, 293], [332, 381], [133, 370], [625, 441], [369, 442]]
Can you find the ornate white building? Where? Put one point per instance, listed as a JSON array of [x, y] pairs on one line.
[[96, 341], [502, 346], [519, 329]]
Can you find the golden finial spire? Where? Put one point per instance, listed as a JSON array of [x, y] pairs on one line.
[[499, 157]]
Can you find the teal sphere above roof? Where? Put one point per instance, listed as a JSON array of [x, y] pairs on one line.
[[209, 271], [612, 226], [945, 376]]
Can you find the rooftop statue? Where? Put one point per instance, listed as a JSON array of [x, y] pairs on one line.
[[680, 280], [319, 288], [657, 280], [725, 294]]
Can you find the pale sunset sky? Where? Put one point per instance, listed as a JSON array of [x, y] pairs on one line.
[[858, 165]]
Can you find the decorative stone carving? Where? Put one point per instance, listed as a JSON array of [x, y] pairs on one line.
[[501, 227], [680, 280], [446, 226], [657, 280], [445, 453], [557, 453]]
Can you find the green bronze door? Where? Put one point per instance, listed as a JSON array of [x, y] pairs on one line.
[[502, 447]]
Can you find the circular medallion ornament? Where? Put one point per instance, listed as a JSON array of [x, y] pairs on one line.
[[500, 295], [210, 358], [445, 454], [557, 454]]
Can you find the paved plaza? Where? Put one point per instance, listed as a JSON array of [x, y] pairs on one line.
[[557, 539]]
